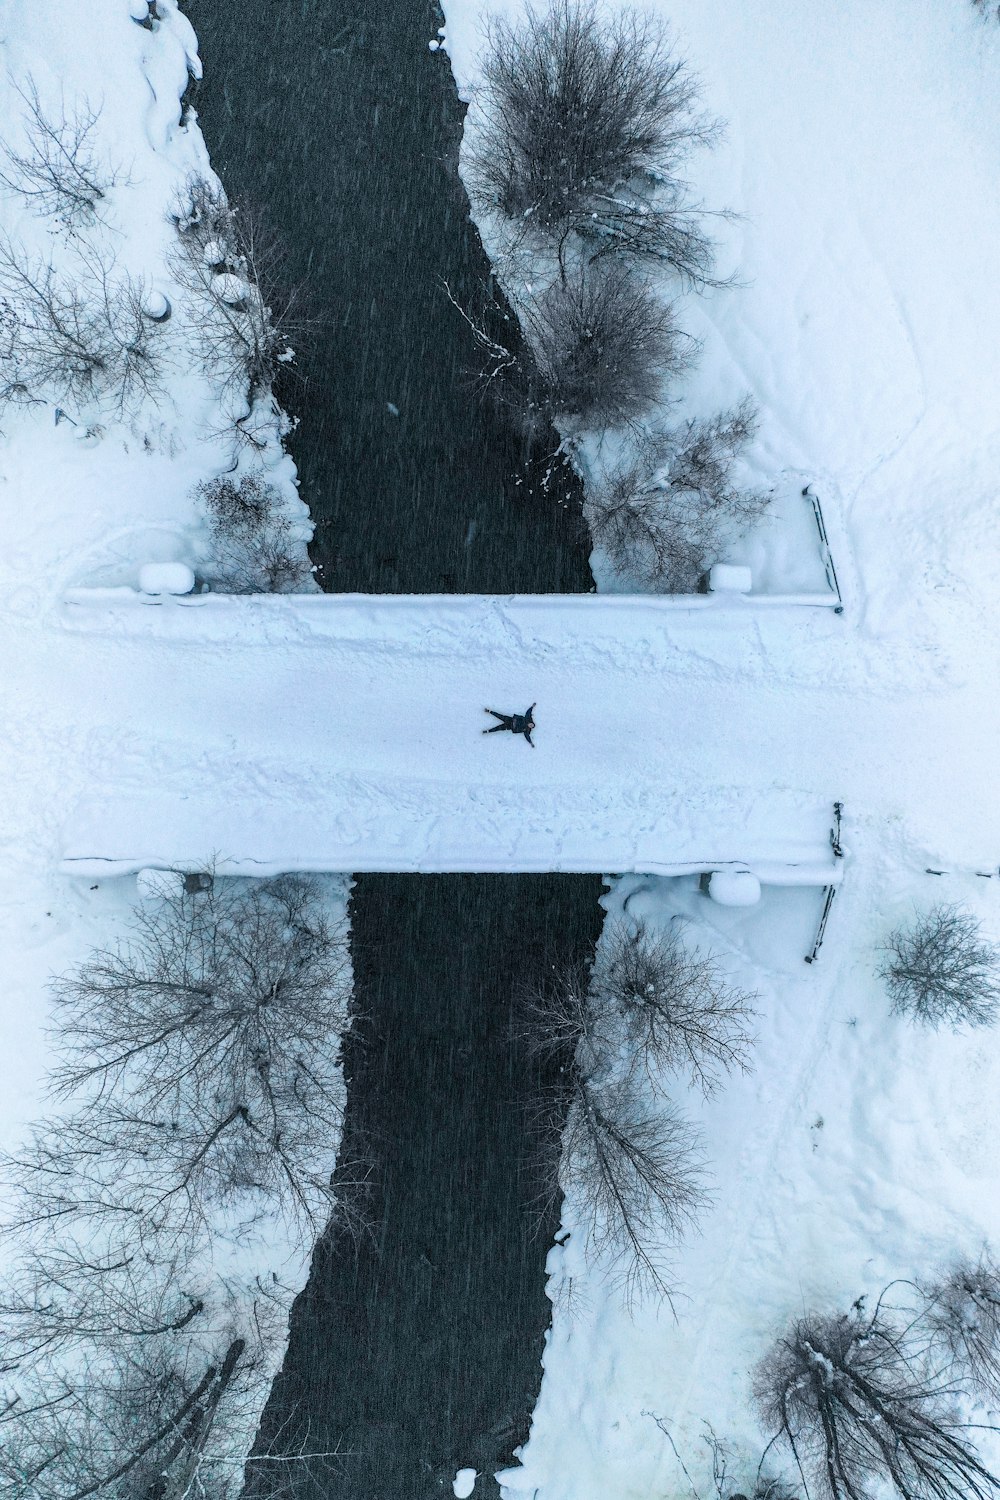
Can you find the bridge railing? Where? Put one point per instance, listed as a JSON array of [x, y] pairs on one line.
[[124, 596]]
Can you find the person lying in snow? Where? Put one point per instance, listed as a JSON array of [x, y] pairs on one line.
[[516, 723]]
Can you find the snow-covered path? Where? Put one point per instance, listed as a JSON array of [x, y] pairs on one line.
[[344, 733]]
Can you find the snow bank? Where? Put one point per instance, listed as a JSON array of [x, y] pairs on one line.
[[166, 578]]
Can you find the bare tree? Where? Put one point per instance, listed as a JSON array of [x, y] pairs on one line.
[[58, 173], [680, 1013], [558, 1020], [252, 538], [204, 1051], [132, 1427], [585, 121], [859, 1410], [603, 345], [244, 314], [82, 333], [941, 971], [666, 514], [596, 352], [963, 1315], [636, 1171]]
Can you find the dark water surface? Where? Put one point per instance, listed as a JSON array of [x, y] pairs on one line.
[[418, 1350], [335, 118]]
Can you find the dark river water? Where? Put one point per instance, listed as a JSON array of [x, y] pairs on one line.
[[416, 1350], [335, 118]]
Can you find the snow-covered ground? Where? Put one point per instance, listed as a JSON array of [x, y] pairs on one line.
[[862, 154], [346, 732]]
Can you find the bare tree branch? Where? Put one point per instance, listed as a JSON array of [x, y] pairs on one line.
[[82, 334], [680, 1013], [59, 172], [963, 1315], [859, 1409]]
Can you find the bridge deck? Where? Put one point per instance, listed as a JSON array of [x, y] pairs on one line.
[[344, 733]]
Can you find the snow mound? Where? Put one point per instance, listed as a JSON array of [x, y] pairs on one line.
[[166, 578]]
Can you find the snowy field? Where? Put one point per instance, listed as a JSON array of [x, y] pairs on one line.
[[862, 153]]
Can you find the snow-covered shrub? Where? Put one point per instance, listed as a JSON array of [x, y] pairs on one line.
[[666, 514], [755, 1481], [765, 1488], [78, 333], [242, 313], [941, 971], [963, 1315], [603, 345], [596, 349], [861, 1412], [679, 1013], [585, 118], [254, 551], [57, 172]]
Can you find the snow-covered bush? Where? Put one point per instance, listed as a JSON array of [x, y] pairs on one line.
[[80, 332], [963, 1315], [679, 1013], [941, 971], [766, 1488], [603, 345], [862, 1411], [253, 549], [57, 172], [585, 118], [665, 515], [242, 313], [596, 350], [755, 1480]]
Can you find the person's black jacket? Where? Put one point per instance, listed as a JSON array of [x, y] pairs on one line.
[[523, 724]]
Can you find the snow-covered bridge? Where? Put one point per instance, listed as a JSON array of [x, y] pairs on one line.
[[344, 733]]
